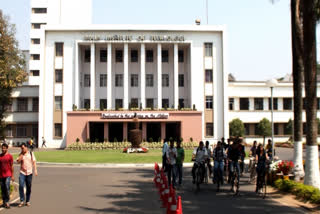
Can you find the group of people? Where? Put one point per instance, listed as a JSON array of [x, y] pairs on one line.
[[27, 161], [227, 157]]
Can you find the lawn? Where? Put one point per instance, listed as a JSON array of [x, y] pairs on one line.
[[103, 156]]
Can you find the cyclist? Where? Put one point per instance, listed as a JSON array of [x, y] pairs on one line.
[[219, 155], [269, 149], [261, 159], [208, 162], [252, 156], [234, 154], [243, 155], [200, 155]]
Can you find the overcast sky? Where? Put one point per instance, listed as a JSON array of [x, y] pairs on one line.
[[259, 41]]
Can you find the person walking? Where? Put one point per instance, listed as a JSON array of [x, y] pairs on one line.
[[31, 143], [179, 162], [164, 155], [27, 162], [171, 165], [43, 143], [6, 174]]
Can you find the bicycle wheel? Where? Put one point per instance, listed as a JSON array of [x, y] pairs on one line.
[[198, 179]]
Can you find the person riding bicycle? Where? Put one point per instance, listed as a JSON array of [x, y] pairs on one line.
[[200, 155], [269, 149], [234, 154], [208, 162], [219, 155], [252, 156], [261, 160]]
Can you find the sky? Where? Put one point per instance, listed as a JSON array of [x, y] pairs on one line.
[[259, 37]]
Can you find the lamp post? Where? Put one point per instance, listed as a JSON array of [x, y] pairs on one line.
[[272, 83]]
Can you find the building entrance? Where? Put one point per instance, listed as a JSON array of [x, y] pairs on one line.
[[153, 132], [96, 132], [115, 132], [173, 130]]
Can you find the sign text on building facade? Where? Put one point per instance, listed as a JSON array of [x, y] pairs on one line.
[[132, 115], [128, 38]]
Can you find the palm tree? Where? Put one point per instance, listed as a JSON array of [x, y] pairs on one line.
[[297, 71], [310, 80]]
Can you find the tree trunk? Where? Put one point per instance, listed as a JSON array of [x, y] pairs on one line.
[[297, 71], [310, 78]]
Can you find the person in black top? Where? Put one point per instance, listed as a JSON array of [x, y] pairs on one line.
[[261, 159], [243, 155], [234, 154]]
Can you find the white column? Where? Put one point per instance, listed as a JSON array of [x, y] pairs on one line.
[[176, 76], [92, 77], [76, 78], [125, 77], [143, 76], [159, 82], [109, 86]]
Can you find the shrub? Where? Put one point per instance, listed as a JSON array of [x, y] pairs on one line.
[[77, 140]]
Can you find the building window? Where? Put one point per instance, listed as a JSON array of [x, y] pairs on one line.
[[149, 103], [9, 131], [318, 104], [87, 55], [287, 103], [58, 102], [258, 103], [256, 129], [8, 107], [275, 103], [59, 49], [165, 103], [134, 55], [39, 10], [87, 80], [22, 104], [246, 129], [231, 104], [244, 103], [119, 103], [58, 74], [58, 130], [209, 78], [181, 80], [35, 41], [181, 103], [35, 56], [149, 57], [119, 80], [119, 56], [103, 80], [36, 25], [165, 80], [165, 55], [103, 103], [209, 129], [86, 103], [276, 128], [209, 102], [35, 104], [208, 49], [35, 72], [288, 129], [103, 55], [134, 80], [134, 103], [149, 80], [21, 130], [181, 56]]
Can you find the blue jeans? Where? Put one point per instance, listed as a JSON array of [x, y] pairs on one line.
[[179, 173], [235, 164], [171, 174], [218, 165], [5, 189], [25, 180]]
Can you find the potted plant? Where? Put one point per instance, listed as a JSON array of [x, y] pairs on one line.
[[285, 167]]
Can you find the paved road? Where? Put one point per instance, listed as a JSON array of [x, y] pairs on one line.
[[89, 190]]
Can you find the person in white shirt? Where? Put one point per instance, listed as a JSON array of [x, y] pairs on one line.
[[200, 155], [171, 164]]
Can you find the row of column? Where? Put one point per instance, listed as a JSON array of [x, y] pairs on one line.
[[126, 77]]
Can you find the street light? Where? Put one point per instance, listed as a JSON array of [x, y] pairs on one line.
[[272, 83]]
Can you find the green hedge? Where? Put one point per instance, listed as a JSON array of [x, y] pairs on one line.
[[122, 145], [302, 191]]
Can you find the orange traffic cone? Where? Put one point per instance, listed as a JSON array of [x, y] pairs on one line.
[[172, 194], [179, 207], [172, 209], [165, 195]]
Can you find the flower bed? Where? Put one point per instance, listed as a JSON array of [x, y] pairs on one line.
[[302, 191], [135, 150], [285, 167]]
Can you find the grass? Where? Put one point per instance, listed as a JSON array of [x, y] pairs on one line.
[[103, 156]]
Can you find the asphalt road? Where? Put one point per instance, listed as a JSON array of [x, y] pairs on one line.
[[131, 191]]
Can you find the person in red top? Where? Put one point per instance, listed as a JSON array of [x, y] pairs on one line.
[[6, 174]]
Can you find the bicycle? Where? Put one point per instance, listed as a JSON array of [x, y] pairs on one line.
[[262, 181], [219, 179], [252, 170], [235, 179], [206, 174], [199, 175]]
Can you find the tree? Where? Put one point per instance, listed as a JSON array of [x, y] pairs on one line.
[[289, 127], [310, 14], [236, 128], [12, 66], [264, 129]]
